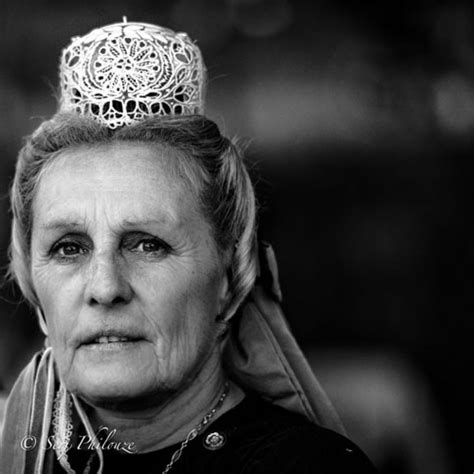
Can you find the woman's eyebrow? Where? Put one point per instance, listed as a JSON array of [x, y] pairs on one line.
[[61, 224], [164, 219]]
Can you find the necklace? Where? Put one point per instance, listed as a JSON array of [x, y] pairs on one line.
[[63, 429], [196, 430]]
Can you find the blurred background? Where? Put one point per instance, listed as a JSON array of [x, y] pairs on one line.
[[359, 118]]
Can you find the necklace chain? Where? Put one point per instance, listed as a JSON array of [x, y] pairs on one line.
[[197, 429]]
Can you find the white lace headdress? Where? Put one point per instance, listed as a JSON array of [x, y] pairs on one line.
[[122, 73]]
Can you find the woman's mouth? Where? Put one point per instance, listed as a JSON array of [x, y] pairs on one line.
[[104, 342], [111, 339]]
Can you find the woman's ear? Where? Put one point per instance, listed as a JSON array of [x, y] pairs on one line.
[[225, 296], [41, 320], [225, 291]]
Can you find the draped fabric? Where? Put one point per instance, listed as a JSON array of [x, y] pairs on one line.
[[261, 356], [28, 419], [264, 357]]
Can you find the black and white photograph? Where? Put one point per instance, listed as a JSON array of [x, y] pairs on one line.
[[236, 236]]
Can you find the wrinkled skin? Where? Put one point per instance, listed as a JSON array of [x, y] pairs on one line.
[[121, 249]]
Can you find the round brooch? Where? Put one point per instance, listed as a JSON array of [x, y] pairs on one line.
[[214, 440]]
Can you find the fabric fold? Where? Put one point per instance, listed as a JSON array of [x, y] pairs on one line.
[[263, 356]]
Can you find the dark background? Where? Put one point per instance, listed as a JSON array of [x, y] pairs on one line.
[[359, 117]]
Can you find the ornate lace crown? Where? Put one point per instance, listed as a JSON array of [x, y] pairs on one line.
[[122, 73]]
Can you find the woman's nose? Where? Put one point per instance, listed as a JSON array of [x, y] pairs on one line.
[[107, 284]]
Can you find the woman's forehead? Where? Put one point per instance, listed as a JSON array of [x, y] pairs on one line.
[[133, 181], [116, 158]]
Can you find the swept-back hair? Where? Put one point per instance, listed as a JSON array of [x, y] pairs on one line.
[[212, 164]]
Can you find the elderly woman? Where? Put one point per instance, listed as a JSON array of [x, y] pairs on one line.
[[134, 238]]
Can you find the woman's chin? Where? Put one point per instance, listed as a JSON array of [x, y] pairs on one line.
[[113, 386], [117, 394]]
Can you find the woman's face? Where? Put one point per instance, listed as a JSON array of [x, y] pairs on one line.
[[126, 271]]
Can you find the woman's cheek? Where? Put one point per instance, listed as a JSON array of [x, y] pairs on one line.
[[181, 337], [56, 300]]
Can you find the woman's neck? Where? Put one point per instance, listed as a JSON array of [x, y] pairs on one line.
[[155, 428]]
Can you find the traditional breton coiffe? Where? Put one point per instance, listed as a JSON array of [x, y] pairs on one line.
[[120, 74]]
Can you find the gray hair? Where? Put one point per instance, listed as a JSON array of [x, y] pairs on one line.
[[213, 165]]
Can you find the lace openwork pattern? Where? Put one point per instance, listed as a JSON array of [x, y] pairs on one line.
[[62, 426], [122, 73]]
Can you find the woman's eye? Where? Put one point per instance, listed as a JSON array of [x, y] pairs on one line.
[[149, 246], [66, 250]]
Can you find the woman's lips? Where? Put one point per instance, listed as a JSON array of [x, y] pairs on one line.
[[111, 343], [111, 339], [108, 336]]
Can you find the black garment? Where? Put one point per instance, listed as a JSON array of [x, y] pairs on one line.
[[259, 438]]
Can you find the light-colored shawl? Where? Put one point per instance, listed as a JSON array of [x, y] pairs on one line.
[[261, 356]]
